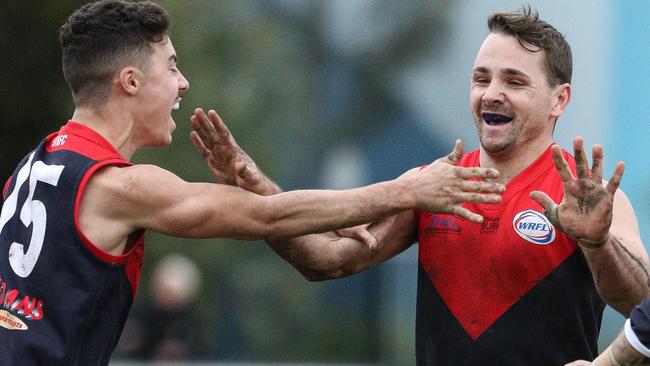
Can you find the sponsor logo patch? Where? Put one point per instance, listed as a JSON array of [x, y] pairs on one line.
[[490, 225], [11, 322], [16, 307], [443, 224], [534, 227]]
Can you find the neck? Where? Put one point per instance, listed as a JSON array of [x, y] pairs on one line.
[[513, 161], [116, 128]]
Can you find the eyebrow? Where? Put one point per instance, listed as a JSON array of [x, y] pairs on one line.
[[481, 69], [515, 72], [508, 71]]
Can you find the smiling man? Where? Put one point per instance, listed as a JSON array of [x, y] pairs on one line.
[[75, 209], [528, 285]]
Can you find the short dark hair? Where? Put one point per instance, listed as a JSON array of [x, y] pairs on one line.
[[526, 26], [100, 38]]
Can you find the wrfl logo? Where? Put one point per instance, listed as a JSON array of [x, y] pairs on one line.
[[534, 227]]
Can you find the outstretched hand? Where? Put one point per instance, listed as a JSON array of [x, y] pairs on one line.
[[445, 187], [585, 212], [227, 161]]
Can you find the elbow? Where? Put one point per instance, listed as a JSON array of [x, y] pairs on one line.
[[320, 276], [331, 272]]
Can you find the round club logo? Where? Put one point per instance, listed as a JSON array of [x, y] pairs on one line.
[[534, 227]]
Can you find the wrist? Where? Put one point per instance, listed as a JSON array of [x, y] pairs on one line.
[[409, 192], [593, 244]]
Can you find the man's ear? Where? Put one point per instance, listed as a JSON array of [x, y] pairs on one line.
[[129, 79], [562, 95]]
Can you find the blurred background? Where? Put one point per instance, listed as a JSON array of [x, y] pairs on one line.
[[323, 94]]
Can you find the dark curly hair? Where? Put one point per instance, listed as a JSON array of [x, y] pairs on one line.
[[100, 38], [529, 30]]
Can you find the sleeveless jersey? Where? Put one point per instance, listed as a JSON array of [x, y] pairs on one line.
[[510, 291], [63, 301]]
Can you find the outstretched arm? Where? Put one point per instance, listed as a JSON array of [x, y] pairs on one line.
[[602, 220], [327, 255]]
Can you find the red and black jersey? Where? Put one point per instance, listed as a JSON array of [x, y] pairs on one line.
[[63, 301], [510, 291]]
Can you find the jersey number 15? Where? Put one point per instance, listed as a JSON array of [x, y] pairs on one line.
[[32, 212]]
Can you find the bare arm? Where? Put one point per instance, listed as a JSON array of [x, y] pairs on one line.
[[148, 197], [326, 255], [119, 201], [602, 220]]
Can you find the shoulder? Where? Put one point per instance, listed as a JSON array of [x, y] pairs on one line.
[[131, 179], [118, 200], [133, 187]]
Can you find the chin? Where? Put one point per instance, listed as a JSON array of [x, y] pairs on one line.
[[495, 146]]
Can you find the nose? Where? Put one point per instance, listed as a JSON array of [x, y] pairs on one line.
[[183, 84], [494, 93]]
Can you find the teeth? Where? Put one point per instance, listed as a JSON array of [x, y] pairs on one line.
[[176, 106]]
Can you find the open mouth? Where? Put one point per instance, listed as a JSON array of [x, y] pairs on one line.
[[177, 105], [495, 119]]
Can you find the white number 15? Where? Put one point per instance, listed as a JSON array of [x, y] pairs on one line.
[[32, 211]]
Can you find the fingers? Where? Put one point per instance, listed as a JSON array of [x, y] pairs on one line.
[[561, 165], [542, 199], [467, 214], [218, 125], [198, 145], [360, 233], [246, 174], [615, 180], [477, 197], [203, 127], [597, 164], [456, 154], [549, 206], [200, 121], [481, 186], [582, 166], [467, 173]]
